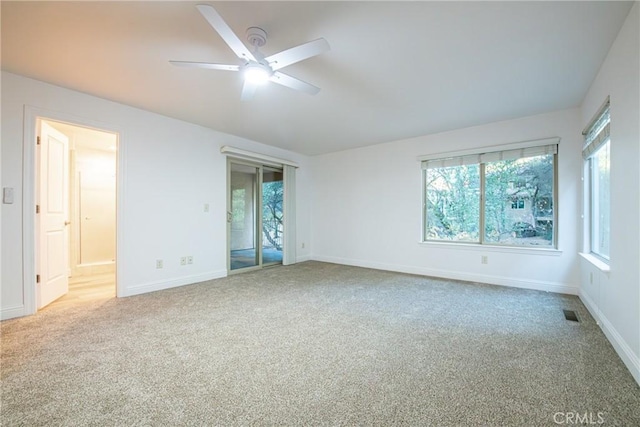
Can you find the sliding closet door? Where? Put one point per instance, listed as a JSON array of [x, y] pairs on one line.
[[243, 218]]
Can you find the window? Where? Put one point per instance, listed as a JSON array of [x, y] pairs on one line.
[[596, 153], [503, 197], [517, 204], [238, 208], [453, 195]]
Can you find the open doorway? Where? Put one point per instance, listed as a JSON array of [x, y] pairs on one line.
[[76, 205]]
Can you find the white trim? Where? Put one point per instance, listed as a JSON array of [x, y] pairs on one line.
[[28, 210], [261, 158], [493, 148], [596, 262], [31, 115], [508, 249], [539, 285], [290, 243], [631, 361], [94, 268], [12, 312], [227, 214], [303, 258], [173, 283]]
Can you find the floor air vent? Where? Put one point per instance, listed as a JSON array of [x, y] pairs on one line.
[[570, 315]]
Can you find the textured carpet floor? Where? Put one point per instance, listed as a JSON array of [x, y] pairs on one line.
[[315, 344]]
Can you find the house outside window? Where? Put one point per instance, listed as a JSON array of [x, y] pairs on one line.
[[597, 155], [504, 197]]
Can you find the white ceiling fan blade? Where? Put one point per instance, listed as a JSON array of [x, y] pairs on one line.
[[190, 64], [293, 83], [298, 53], [227, 34], [248, 90]]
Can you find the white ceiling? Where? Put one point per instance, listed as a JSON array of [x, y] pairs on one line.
[[395, 69]]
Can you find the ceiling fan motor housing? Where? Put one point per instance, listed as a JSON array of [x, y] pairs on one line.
[[256, 37]]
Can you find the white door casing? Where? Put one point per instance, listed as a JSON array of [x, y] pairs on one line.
[[30, 220], [53, 200]]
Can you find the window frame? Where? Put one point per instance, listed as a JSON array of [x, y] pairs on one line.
[[480, 152], [596, 137]]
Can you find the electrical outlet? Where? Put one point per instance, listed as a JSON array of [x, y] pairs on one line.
[[206, 207], [302, 245], [484, 259], [183, 260], [189, 259], [158, 263]]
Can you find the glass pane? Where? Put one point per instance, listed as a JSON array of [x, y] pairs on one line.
[[453, 203], [519, 201], [243, 219], [600, 210], [272, 216]]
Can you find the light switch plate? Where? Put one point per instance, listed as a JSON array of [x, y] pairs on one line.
[[7, 195]]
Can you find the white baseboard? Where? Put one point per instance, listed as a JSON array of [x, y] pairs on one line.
[[303, 258], [539, 285], [96, 268], [12, 312], [172, 283], [631, 360]]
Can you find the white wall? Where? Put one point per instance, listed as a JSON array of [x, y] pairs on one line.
[[367, 208], [614, 298], [95, 202], [170, 169]]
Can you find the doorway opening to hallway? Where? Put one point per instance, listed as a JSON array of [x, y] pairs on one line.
[[75, 226]]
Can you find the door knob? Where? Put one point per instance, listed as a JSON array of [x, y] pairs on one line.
[[67, 222]]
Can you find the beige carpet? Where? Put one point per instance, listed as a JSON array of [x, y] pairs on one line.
[[315, 344]]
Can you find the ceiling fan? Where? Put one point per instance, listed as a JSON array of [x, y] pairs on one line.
[[256, 68]]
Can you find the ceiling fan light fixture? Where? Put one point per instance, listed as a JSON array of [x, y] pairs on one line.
[[257, 74], [257, 69]]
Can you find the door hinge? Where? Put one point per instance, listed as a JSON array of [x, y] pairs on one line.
[[38, 140], [37, 209], [37, 278]]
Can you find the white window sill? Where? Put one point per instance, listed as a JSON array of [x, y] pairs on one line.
[[596, 262], [493, 248]]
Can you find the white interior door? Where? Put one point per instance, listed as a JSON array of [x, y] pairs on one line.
[[53, 218]]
